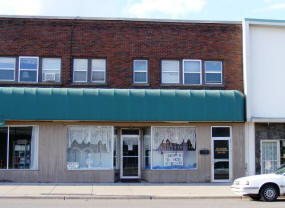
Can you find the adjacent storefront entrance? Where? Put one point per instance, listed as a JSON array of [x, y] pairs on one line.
[[130, 157]]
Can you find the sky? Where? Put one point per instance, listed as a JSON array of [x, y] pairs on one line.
[[231, 10]]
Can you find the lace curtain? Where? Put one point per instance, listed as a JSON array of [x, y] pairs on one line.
[[90, 135], [176, 135]]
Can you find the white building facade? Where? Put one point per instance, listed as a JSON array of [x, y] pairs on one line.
[[264, 86]]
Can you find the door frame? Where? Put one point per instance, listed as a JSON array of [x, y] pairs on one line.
[[229, 139], [139, 157]]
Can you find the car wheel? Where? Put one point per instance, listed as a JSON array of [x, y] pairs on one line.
[[255, 197], [268, 193]]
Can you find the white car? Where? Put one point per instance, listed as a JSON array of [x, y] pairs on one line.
[[266, 187]]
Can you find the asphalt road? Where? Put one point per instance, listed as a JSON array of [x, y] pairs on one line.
[[137, 203]]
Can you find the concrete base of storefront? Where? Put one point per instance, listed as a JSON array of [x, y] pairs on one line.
[[116, 191]]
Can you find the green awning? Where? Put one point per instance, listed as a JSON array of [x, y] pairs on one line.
[[67, 104]]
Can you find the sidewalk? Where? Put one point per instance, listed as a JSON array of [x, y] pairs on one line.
[[116, 191]]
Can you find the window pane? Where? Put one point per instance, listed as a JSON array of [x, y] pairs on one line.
[[170, 77], [98, 76], [80, 76], [140, 65], [282, 152], [192, 78], [80, 64], [213, 78], [147, 148], [7, 75], [20, 139], [174, 148], [89, 147], [51, 63], [169, 65], [29, 63], [7, 63], [221, 149], [213, 66], [28, 76], [192, 66], [3, 147], [269, 157], [221, 132], [140, 77], [221, 170], [98, 64]]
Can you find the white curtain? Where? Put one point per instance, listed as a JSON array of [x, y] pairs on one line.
[[174, 135], [90, 135]]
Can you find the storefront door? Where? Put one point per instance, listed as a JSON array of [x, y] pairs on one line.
[[130, 157]]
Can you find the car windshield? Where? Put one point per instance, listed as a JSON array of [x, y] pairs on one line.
[[280, 170]]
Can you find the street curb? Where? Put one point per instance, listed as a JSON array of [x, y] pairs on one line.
[[93, 197]]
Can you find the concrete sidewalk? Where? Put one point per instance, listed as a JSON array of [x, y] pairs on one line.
[[116, 191]]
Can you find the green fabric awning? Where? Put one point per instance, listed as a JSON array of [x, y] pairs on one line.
[[143, 105]]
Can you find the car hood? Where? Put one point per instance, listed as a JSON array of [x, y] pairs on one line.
[[267, 177]]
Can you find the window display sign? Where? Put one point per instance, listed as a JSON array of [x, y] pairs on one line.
[[174, 148], [173, 159]]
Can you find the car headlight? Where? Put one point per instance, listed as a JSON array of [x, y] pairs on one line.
[[244, 183]]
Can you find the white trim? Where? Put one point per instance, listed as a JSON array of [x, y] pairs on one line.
[[37, 70], [183, 71], [139, 157], [229, 139], [145, 71], [151, 146]]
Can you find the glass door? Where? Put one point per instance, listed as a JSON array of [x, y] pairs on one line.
[[130, 157], [221, 160]]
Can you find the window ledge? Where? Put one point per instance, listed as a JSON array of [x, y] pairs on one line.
[[140, 85], [86, 84], [32, 83], [195, 86]]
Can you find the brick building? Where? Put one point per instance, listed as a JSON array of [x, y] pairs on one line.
[[100, 100]]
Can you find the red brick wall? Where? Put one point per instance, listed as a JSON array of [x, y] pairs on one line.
[[122, 41]]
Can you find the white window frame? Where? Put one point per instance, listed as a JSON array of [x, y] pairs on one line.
[[278, 152], [170, 71], [7, 80], [97, 168], [55, 70], [98, 70], [213, 73], [19, 76], [144, 71], [194, 60], [35, 136], [151, 151], [73, 70], [229, 139]]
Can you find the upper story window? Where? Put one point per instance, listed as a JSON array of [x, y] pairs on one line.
[[98, 67], [80, 70], [7, 68], [213, 72], [170, 71], [192, 72], [83, 67], [140, 74], [51, 69], [28, 69]]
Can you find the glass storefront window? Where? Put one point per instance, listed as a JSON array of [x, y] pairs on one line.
[[18, 148], [282, 152], [174, 148], [90, 147], [147, 147]]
